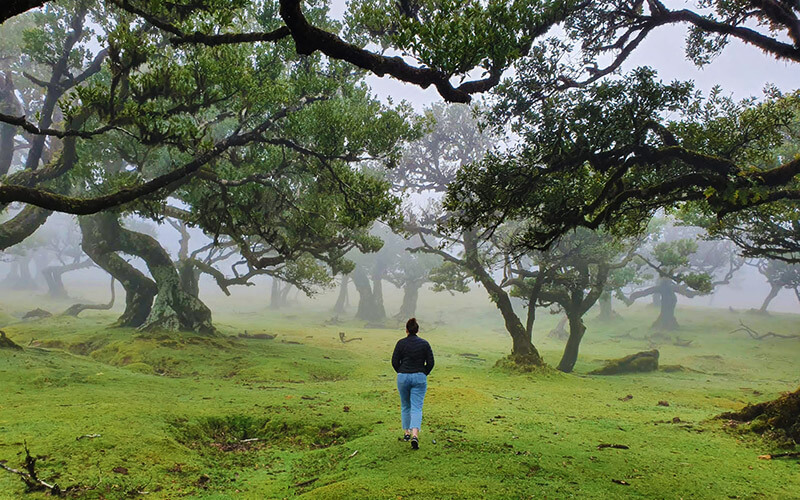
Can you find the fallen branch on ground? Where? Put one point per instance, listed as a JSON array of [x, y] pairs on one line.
[[791, 454], [344, 341], [757, 336], [617, 446], [87, 436], [30, 477]]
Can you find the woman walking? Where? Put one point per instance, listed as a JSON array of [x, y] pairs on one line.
[[413, 361]]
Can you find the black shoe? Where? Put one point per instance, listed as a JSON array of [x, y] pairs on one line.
[[415, 443], [406, 437]]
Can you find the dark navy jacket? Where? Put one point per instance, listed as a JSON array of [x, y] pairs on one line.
[[412, 354]]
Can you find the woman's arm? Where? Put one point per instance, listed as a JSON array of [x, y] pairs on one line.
[[428, 360], [397, 357]]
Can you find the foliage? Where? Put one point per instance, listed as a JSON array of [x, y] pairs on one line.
[[605, 156]]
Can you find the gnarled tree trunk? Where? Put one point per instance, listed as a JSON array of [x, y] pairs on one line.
[[669, 300], [408, 309], [22, 225], [368, 308], [576, 331], [9, 105], [523, 352], [52, 276], [773, 292], [139, 289], [377, 293], [174, 308], [607, 312], [279, 295], [189, 276], [20, 277]]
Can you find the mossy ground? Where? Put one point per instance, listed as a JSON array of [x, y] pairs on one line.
[[172, 410]]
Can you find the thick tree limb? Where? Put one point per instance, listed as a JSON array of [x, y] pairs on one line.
[[12, 8], [22, 225], [21, 121], [168, 181], [309, 39]]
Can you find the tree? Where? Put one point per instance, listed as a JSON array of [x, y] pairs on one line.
[[779, 275], [410, 272], [290, 205], [63, 243], [472, 257], [453, 39], [46, 59], [683, 266], [572, 273], [429, 165], [450, 40]]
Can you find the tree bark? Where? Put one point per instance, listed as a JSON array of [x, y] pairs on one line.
[[9, 105], [576, 331], [22, 225], [139, 289], [560, 330], [408, 309], [189, 277], [522, 349], [368, 309], [669, 300], [275, 294], [174, 309], [342, 300], [20, 277], [773, 292], [285, 294], [377, 293], [656, 299]]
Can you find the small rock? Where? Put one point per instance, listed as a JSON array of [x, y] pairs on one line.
[[120, 470], [663, 403]]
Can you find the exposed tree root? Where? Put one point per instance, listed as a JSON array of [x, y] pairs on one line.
[[76, 309]]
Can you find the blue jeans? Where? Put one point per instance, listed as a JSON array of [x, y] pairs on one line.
[[412, 388]]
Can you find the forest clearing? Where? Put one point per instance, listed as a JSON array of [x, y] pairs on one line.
[[116, 413], [241, 240]]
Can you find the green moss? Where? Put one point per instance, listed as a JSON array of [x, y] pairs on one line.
[[174, 408], [645, 361]]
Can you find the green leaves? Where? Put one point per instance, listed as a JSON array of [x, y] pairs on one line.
[[455, 36]]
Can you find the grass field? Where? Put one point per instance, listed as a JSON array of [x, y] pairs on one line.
[[303, 414]]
